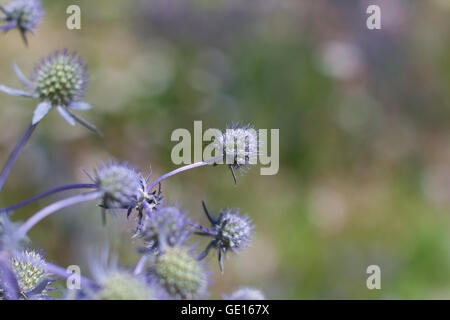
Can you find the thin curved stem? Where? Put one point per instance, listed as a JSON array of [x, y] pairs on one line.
[[54, 207], [45, 194], [12, 158], [181, 169]]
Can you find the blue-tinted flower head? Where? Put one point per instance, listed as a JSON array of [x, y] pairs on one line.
[[165, 226], [245, 293], [59, 82], [120, 184], [61, 79], [123, 285], [180, 273], [230, 232], [115, 283], [29, 269], [239, 146], [23, 14]]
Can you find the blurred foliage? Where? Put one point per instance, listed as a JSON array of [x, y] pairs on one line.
[[364, 119]]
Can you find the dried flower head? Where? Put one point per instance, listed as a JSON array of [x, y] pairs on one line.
[[230, 232], [165, 226], [23, 14], [177, 270], [245, 293], [58, 81], [29, 268], [239, 146]]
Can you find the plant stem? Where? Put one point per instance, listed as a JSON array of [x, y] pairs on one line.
[[181, 169], [54, 207], [45, 194], [9, 25], [14, 154], [196, 225]]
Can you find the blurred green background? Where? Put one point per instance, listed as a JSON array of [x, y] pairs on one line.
[[364, 119]]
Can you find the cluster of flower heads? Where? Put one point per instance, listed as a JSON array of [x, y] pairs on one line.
[[22, 14], [169, 267]]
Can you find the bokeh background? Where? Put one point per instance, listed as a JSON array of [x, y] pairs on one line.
[[364, 119]]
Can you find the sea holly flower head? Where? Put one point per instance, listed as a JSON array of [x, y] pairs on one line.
[[165, 226], [245, 293], [180, 273], [116, 283], [23, 14], [61, 79], [29, 269], [123, 285], [59, 82], [239, 147], [230, 232], [120, 184]]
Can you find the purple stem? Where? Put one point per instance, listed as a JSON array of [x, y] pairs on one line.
[[200, 227], [54, 207], [9, 26], [181, 169], [14, 154], [45, 194]]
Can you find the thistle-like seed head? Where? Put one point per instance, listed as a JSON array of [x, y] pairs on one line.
[[238, 145], [122, 285], [29, 268], [165, 226], [120, 184], [26, 13], [233, 231], [180, 273], [245, 294], [60, 79]]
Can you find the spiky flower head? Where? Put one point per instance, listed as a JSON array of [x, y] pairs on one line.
[[245, 293], [29, 268], [61, 78], [123, 285], [230, 232], [23, 14], [120, 184], [164, 226], [177, 270], [239, 147], [59, 82], [116, 283]]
